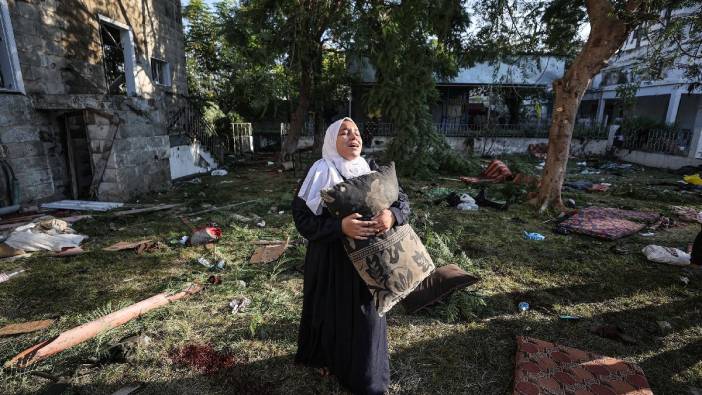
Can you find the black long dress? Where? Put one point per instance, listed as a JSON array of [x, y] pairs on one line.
[[339, 327]]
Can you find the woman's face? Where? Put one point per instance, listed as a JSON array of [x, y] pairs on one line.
[[348, 141]]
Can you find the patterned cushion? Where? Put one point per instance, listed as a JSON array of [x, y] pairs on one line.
[[548, 368], [392, 264]]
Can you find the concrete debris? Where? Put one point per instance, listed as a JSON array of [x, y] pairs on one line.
[[239, 304]]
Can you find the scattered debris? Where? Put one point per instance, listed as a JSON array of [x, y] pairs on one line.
[[569, 317], [600, 187], [219, 172], [69, 251], [467, 203], [214, 280], [647, 234], [533, 236], [612, 332], [686, 214], [240, 218], [128, 390], [523, 307], [241, 284], [206, 263], [6, 276], [140, 246], [204, 235], [50, 234], [495, 172], [220, 208], [269, 252], [684, 280], [669, 255], [693, 179], [239, 304], [569, 203], [538, 151], [202, 358], [159, 207], [91, 329], [82, 205], [664, 327], [617, 166], [261, 223], [25, 327]]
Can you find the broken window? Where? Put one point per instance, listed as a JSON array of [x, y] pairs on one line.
[[10, 76], [113, 53], [161, 72], [119, 60]]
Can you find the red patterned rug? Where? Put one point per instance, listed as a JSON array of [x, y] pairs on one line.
[[548, 368], [608, 223]]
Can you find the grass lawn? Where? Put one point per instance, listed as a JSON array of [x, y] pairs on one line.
[[465, 345]]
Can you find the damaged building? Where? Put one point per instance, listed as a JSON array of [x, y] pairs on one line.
[[87, 91]]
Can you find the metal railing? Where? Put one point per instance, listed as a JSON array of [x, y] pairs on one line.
[[664, 141], [188, 121], [525, 130], [240, 142]]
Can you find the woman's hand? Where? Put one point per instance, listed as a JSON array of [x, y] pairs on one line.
[[384, 220], [352, 227]]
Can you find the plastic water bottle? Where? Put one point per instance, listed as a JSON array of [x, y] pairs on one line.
[[523, 306]]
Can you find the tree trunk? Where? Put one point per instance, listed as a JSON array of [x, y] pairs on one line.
[[319, 131], [297, 121], [607, 34]]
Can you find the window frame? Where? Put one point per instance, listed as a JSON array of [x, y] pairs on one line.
[[9, 46], [165, 72], [127, 38]]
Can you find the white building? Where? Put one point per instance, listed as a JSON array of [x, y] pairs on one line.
[[665, 96]]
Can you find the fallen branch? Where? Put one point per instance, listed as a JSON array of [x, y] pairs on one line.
[[219, 208], [87, 331]]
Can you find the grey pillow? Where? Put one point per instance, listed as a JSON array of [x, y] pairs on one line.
[[367, 195]]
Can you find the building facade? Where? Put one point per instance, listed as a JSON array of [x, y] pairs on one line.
[[87, 91], [664, 97]]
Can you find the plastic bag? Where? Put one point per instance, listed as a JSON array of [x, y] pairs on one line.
[[671, 256], [693, 179]]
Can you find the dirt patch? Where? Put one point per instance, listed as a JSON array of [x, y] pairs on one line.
[[202, 358]]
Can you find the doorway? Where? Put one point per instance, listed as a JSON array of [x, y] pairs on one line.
[[78, 158]]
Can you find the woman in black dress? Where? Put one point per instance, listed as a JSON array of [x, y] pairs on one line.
[[340, 330]]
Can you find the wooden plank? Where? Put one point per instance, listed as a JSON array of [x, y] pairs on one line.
[[25, 327], [146, 209]]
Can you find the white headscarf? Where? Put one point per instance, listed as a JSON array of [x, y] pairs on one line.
[[324, 173]]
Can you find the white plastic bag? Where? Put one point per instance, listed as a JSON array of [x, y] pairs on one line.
[[671, 256]]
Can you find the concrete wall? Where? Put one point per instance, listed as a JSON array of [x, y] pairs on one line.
[[190, 159], [661, 161], [60, 55], [518, 145]]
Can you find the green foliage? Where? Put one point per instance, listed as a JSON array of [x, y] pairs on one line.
[[411, 44]]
